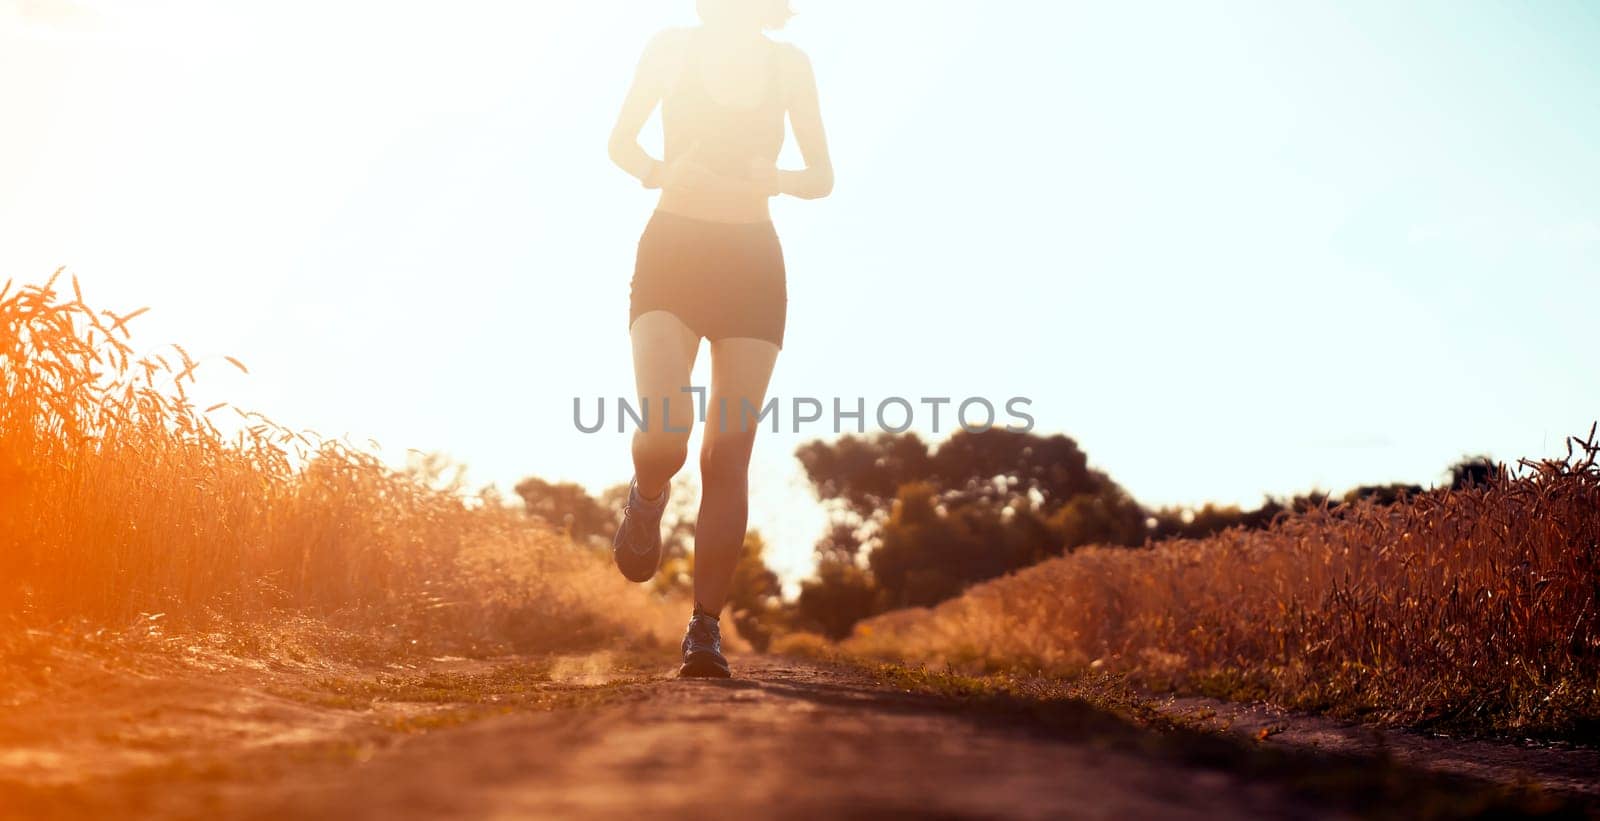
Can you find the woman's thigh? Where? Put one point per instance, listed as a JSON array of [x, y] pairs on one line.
[[664, 350], [741, 371]]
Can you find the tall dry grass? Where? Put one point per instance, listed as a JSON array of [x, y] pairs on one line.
[[1477, 608], [119, 498]]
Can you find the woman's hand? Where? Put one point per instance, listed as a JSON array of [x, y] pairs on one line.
[[686, 173]]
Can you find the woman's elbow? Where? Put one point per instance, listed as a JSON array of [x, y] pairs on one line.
[[617, 149], [824, 185]]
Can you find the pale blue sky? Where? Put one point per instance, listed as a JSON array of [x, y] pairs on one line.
[[1232, 248]]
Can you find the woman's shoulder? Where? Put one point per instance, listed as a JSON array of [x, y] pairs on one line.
[[792, 60], [670, 40], [664, 55], [790, 53]]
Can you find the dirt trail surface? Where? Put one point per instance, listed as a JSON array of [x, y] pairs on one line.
[[597, 737]]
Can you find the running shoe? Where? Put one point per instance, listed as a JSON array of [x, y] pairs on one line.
[[637, 545], [702, 648]]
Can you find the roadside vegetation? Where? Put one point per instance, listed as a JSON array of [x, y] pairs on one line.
[[1475, 608], [122, 504]]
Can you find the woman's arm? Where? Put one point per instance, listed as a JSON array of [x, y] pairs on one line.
[[649, 86], [657, 70], [805, 115]]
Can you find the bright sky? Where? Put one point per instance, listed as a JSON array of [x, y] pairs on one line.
[[1232, 248]]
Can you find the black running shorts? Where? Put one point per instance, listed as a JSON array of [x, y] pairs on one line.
[[723, 280]]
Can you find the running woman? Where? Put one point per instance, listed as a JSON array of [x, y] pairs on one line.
[[710, 266]]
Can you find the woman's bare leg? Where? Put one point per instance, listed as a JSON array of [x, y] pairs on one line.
[[741, 369], [664, 351]]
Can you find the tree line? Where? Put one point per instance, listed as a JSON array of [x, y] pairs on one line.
[[912, 524]]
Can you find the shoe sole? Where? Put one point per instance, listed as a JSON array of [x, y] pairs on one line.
[[703, 665], [617, 559]]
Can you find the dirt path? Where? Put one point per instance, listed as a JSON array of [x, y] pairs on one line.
[[788, 739]]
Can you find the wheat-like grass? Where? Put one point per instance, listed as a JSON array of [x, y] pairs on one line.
[[119, 498], [1476, 607]]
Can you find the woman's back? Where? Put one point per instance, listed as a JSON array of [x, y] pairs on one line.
[[723, 109], [727, 93], [726, 107]]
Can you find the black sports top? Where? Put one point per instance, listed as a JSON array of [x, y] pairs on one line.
[[727, 139]]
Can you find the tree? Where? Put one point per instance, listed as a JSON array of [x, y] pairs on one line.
[[864, 472], [1473, 471], [1053, 467], [569, 508], [754, 599], [913, 527], [1383, 495], [1111, 517], [840, 594]]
